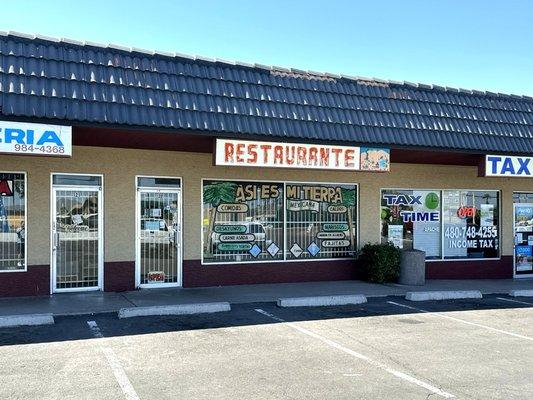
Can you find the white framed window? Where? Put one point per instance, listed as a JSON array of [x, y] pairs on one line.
[[470, 224], [13, 214], [448, 224]]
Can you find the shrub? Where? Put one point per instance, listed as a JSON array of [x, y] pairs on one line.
[[380, 262]]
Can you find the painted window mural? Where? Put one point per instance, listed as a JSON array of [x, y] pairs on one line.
[[320, 220], [269, 221], [12, 221], [446, 224], [242, 221]]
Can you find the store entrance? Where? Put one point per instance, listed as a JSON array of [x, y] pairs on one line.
[[158, 261], [77, 251], [523, 240]]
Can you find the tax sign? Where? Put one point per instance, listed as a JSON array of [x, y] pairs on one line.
[[35, 139], [509, 166]]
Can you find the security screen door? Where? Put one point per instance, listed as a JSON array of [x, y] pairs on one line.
[[158, 238], [77, 238]]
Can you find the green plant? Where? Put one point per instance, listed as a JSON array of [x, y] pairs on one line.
[[380, 262]]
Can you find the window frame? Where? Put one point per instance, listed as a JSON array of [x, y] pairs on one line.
[[137, 223], [179, 178], [440, 216], [102, 237], [521, 192], [25, 269], [442, 259], [285, 259]]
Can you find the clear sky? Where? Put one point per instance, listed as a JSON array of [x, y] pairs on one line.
[[475, 44]]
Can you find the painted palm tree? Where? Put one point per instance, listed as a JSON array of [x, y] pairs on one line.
[[214, 194], [348, 200]]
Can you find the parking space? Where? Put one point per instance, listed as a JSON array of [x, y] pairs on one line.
[[480, 353], [471, 349], [56, 370]]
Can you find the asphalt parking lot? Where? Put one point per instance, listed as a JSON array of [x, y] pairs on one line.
[[387, 348]]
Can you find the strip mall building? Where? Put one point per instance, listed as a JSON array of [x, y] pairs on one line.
[[124, 168]]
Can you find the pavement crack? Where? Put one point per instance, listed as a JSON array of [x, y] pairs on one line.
[[128, 300]]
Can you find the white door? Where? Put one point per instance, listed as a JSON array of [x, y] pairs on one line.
[[523, 240], [158, 261], [77, 232]]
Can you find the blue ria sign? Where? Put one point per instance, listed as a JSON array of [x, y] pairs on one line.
[[35, 139], [509, 166]]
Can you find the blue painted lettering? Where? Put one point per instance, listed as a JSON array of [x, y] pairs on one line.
[[416, 200], [508, 166], [402, 199], [416, 216], [15, 135], [30, 133], [49, 137], [523, 167], [494, 160], [389, 198]]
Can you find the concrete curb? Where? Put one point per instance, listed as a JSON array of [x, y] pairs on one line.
[[26, 320], [521, 293], [177, 309], [316, 301], [443, 295]]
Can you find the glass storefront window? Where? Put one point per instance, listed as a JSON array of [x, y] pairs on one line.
[[523, 197], [76, 180], [321, 220], [410, 219], [12, 221], [446, 224], [523, 235], [242, 221], [470, 224], [274, 221], [157, 182]]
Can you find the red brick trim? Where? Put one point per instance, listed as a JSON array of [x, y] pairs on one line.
[[480, 269], [119, 276], [34, 282], [195, 274]]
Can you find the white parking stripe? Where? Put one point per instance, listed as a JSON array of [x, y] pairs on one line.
[[114, 363], [120, 374], [360, 356], [515, 301], [93, 326], [462, 321]]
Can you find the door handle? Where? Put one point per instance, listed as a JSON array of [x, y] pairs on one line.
[[176, 236], [55, 242]]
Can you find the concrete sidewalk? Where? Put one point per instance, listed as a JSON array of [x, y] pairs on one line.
[[100, 302]]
